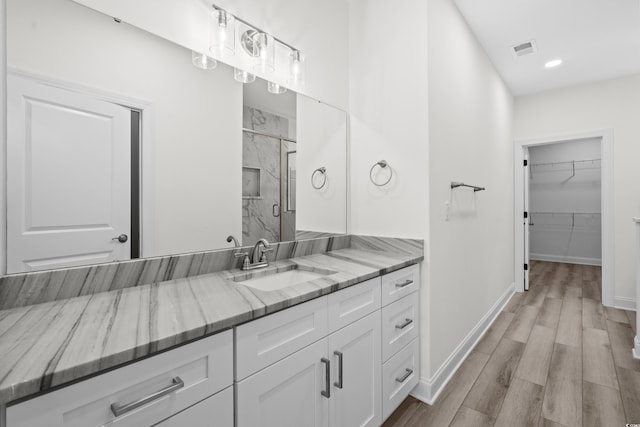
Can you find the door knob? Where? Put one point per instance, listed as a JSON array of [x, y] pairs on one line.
[[121, 238]]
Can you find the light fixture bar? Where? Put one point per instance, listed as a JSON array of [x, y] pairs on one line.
[[256, 28]]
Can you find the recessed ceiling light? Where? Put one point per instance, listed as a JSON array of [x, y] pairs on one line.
[[553, 63]]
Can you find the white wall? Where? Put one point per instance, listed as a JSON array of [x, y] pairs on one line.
[[388, 120], [470, 140], [554, 187], [608, 104], [198, 152], [322, 142], [317, 28], [3, 137]]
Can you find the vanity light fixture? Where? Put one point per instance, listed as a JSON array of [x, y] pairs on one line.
[[256, 43], [553, 63], [222, 34], [203, 61], [275, 88], [243, 76]]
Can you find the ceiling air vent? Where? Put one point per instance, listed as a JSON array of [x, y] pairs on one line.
[[523, 49]]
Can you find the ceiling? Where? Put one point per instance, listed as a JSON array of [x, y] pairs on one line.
[[596, 39]]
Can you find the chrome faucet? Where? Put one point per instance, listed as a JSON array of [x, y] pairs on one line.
[[249, 260]]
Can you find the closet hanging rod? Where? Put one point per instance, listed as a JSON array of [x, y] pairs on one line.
[[455, 184], [565, 213], [566, 163]]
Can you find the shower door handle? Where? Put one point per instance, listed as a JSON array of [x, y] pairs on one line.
[[276, 210]]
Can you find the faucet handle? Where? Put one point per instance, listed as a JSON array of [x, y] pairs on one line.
[[263, 256], [245, 261]]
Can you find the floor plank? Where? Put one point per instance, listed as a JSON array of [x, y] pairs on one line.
[[630, 390], [536, 295], [570, 323], [403, 414], [514, 303], [467, 417], [602, 406], [534, 364], [597, 360], [632, 320], [547, 423], [522, 404], [593, 315], [591, 289], [616, 315], [493, 336], [520, 327], [490, 388], [549, 313], [563, 394]]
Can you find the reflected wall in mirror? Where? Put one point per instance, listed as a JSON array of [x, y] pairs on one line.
[[81, 83]]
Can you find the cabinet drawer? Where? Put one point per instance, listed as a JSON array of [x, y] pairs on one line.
[[353, 303], [215, 411], [400, 283], [265, 341], [399, 324], [204, 367], [400, 375]]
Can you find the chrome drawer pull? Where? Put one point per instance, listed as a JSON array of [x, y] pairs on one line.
[[405, 283], [406, 375], [327, 378], [339, 382], [118, 409], [404, 324]]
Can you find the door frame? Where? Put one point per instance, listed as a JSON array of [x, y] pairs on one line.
[[607, 204], [147, 154]]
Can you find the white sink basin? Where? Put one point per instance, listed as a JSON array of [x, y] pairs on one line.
[[283, 279]]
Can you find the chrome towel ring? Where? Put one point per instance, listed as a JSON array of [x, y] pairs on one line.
[[383, 164], [323, 171]]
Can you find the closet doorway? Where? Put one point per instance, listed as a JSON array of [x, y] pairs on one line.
[[564, 204]]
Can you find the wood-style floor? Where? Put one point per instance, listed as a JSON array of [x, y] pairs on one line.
[[555, 356]]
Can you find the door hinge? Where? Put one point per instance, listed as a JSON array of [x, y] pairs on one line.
[[526, 267], [526, 163], [526, 214]]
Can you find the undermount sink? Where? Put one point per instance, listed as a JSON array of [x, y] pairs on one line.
[[273, 280]]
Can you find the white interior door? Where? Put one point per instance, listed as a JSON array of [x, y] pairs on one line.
[[526, 216], [68, 178]]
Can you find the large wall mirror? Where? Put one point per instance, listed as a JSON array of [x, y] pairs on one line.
[[119, 147]]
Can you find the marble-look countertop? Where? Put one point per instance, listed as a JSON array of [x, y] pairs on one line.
[[50, 344]]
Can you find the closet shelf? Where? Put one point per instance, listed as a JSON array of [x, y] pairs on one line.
[[571, 162], [565, 166]]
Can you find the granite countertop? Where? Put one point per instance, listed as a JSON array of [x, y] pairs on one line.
[[49, 344]]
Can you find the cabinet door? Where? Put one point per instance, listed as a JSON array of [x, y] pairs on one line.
[[355, 395], [215, 411], [287, 393]]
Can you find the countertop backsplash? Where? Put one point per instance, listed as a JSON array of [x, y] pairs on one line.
[[19, 290]]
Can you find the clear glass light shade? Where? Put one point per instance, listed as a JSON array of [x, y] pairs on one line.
[[264, 49], [203, 61], [275, 88], [222, 33], [243, 76], [296, 68]]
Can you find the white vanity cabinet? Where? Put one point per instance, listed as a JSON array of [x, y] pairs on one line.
[[335, 381], [191, 382]]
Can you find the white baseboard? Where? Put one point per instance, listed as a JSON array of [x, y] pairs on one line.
[[567, 259], [428, 390], [624, 303], [636, 348]]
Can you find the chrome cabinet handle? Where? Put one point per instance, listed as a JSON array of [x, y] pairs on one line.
[[121, 238], [118, 409], [405, 283], [404, 324], [327, 374], [339, 382], [406, 375]]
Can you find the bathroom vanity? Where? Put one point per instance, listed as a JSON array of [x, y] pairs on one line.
[[338, 349]]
